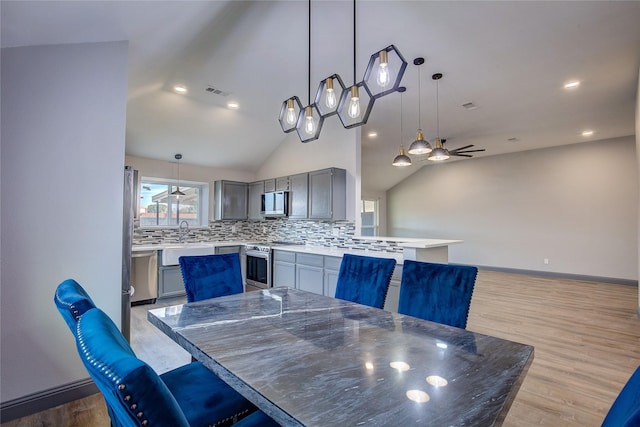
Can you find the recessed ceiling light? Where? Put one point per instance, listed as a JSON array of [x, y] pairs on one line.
[[373, 134], [572, 85], [233, 105], [180, 89], [587, 133]]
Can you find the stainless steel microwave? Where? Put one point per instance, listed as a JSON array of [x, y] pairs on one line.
[[275, 203]]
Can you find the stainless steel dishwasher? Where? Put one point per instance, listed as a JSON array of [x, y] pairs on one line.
[[144, 277]]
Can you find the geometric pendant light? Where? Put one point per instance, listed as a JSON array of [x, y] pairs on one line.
[[420, 145]]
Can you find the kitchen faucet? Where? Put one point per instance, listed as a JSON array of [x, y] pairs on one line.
[[183, 231]]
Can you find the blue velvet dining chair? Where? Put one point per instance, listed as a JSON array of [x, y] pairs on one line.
[[364, 279], [625, 411], [437, 292], [187, 396], [210, 276], [72, 301]]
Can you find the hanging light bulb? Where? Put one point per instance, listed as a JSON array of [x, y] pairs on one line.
[[383, 70], [354, 103], [439, 153], [309, 125], [420, 145], [291, 112], [330, 97]]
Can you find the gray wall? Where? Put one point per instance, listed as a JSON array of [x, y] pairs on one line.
[[63, 142], [576, 205]]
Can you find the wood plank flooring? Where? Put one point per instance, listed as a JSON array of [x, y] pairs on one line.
[[586, 337]]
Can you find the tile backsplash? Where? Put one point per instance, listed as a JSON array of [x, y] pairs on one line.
[[320, 233]]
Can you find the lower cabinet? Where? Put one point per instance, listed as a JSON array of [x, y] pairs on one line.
[[331, 270], [310, 273], [284, 268], [170, 282]]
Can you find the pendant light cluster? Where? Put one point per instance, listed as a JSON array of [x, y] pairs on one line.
[[352, 104], [420, 146]]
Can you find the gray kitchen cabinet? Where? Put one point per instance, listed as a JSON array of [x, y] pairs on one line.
[[170, 282], [284, 268], [269, 185], [310, 273], [282, 183], [393, 294], [230, 200], [327, 194], [331, 271], [256, 189], [298, 196]]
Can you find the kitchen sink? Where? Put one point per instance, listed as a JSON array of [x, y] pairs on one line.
[[171, 253]]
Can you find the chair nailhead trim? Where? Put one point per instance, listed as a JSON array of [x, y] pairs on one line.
[[121, 387], [140, 414], [145, 422], [127, 398], [134, 406]]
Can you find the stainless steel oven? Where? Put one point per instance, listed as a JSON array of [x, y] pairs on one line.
[[258, 266]]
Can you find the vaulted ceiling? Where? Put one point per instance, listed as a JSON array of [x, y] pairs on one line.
[[510, 59]]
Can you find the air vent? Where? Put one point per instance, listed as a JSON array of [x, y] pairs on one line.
[[469, 106], [513, 139], [214, 91]]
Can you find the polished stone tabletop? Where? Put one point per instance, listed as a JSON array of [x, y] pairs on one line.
[[311, 360]]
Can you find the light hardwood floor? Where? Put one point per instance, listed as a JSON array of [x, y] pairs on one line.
[[586, 337]]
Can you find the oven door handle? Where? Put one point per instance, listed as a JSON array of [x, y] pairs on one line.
[[257, 254]]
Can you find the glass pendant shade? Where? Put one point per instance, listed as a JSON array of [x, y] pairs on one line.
[[384, 71], [309, 124], [420, 145], [328, 95], [355, 105], [289, 113], [439, 153], [402, 159]]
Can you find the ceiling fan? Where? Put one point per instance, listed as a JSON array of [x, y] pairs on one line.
[[462, 151]]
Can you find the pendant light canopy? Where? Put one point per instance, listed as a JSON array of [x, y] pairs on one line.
[[439, 153], [420, 145], [401, 159], [177, 191]]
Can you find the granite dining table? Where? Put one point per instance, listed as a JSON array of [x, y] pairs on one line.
[[311, 360]]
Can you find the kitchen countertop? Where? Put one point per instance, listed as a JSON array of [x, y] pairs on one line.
[[337, 252]]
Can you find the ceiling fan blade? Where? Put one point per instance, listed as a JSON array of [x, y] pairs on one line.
[[459, 155], [463, 148], [467, 151]]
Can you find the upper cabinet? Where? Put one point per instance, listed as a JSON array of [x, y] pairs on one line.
[[256, 189], [276, 184], [327, 194], [298, 196], [230, 200]]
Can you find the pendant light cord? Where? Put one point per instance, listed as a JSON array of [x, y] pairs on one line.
[[401, 118], [419, 100], [309, 64], [354, 42], [438, 108]]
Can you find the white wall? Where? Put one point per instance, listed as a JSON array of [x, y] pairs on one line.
[[638, 158], [62, 154], [336, 147], [576, 205]]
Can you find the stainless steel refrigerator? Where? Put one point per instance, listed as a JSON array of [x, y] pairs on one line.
[[128, 214]]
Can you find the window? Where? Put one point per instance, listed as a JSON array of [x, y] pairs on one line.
[[369, 218], [158, 207]]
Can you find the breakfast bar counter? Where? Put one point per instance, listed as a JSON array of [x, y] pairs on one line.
[[312, 360]]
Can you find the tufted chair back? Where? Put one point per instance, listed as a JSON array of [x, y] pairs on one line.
[[132, 389], [437, 292], [211, 276], [72, 302], [625, 411], [364, 279]]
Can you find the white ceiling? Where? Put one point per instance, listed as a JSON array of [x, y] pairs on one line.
[[511, 59]]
